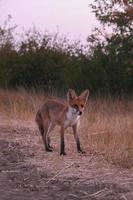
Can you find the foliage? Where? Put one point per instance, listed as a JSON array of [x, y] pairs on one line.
[[104, 65], [115, 45]]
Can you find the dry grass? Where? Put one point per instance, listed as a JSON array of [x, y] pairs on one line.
[[20, 104], [110, 129], [107, 125]]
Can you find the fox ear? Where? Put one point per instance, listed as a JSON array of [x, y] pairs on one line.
[[71, 95], [84, 96]]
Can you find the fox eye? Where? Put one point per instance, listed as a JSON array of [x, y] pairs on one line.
[[82, 105]]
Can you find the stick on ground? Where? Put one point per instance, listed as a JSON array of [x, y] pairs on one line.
[[60, 172]]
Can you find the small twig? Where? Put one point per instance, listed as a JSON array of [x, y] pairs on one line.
[[124, 197], [10, 171], [60, 172], [98, 193]]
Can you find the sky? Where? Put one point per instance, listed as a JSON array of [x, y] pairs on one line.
[[70, 17]]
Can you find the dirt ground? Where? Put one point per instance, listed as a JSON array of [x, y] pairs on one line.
[[27, 172]]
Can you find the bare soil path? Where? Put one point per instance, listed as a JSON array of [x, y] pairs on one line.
[[27, 172]]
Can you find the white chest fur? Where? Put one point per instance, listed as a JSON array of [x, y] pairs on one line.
[[72, 117]]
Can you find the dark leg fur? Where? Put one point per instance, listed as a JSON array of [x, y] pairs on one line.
[[77, 139], [79, 147], [47, 148], [42, 131], [48, 139], [62, 144]]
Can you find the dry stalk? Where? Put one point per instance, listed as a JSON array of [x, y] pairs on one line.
[[62, 170]]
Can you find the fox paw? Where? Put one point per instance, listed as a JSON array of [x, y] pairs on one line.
[[81, 151], [62, 153], [49, 149]]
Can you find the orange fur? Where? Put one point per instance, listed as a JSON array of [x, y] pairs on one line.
[[54, 112]]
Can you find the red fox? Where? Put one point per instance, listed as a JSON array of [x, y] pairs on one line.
[[55, 112]]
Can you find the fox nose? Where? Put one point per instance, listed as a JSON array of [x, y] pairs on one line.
[[80, 113]]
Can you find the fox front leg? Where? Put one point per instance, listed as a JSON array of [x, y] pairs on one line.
[[74, 127], [62, 143]]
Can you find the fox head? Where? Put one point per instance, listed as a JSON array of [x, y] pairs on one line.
[[77, 103]]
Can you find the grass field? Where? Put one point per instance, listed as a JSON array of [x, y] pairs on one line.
[[107, 126]]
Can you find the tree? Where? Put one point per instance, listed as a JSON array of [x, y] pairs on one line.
[[116, 45]]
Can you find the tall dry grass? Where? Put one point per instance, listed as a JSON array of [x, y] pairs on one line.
[[21, 104], [107, 124]]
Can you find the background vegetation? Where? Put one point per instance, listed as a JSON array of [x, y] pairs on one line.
[[105, 64]]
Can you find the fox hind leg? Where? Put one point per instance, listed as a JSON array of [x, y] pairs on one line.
[[45, 137], [44, 128], [43, 134], [50, 128]]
